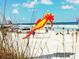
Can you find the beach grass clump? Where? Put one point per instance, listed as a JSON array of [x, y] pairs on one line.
[[7, 49]]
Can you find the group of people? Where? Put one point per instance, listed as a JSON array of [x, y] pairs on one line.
[[46, 30]]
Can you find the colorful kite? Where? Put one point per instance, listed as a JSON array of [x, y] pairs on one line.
[[41, 23]]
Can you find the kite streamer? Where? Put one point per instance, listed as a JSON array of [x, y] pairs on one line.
[[41, 23]]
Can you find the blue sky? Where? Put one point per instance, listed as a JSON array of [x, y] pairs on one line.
[[25, 11]]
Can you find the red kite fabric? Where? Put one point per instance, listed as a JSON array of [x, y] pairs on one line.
[[41, 23]]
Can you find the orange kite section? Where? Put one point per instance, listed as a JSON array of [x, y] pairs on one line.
[[41, 23]]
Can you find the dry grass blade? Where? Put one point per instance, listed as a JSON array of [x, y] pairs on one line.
[[7, 48]]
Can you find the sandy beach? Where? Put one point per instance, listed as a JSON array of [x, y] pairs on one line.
[[47, 43]]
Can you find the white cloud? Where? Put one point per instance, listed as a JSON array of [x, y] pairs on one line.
[[35, 2], [31, 4], [15, 11], [73, 1], [15, 5], [47, 2], [67, 7]]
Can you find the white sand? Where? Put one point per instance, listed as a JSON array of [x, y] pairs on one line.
[[48, 43]]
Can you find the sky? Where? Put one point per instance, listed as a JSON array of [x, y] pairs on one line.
[[27, 11]]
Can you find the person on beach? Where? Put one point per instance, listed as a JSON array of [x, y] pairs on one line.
[[33, 34], [46, 29]]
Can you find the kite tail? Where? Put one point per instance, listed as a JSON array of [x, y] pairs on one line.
[[29, 34]]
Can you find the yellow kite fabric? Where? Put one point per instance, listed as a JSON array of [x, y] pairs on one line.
[[41, 23]]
